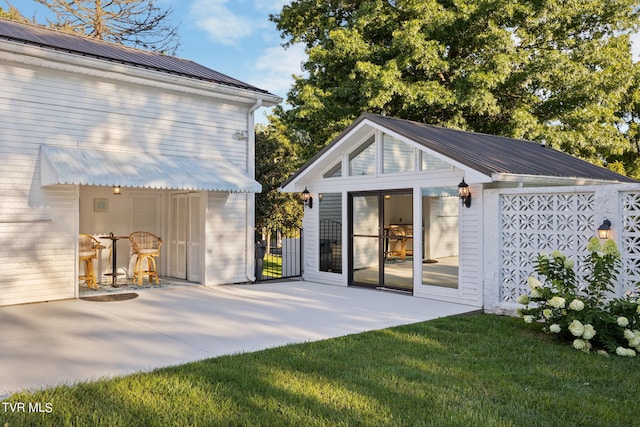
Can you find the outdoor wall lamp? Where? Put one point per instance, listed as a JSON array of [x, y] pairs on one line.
[[241, 134], [604, 231], [306, 198], [116, 190], [464, 193]]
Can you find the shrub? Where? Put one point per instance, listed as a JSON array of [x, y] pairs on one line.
[[585, 314]]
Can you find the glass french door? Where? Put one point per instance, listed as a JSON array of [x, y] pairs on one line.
[[381, 237]]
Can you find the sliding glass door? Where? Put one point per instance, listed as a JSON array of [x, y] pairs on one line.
[[381, 239]]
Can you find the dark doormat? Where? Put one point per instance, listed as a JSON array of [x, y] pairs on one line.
[[111, 297]]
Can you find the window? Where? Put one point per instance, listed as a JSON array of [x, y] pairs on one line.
[[397, 156], [335, 171], [330, 233], [440, 235], [363, 160], [429, 162]]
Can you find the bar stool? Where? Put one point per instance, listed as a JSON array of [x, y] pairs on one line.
[[146, 246], [87, 252]]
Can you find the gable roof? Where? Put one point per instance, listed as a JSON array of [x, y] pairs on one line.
[[57, 40], [489, 155]]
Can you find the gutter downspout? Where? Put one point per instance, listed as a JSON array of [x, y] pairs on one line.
[[251, 197]]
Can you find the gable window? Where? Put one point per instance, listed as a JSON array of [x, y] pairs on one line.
[[363, 160], [397, 156], [334, 172], [430, 162]]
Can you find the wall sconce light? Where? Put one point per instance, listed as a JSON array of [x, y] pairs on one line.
[[241, 134], [116, 190], [306, 198], [604, 231], [464, 193]]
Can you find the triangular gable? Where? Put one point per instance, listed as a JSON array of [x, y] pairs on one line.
[[483, 158], [398, 152]]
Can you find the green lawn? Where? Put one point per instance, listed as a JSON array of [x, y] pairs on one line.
[[478, 370], [272, 266]]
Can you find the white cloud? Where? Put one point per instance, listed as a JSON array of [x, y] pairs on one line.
[[273, 6], [220, 23], [275, 67]]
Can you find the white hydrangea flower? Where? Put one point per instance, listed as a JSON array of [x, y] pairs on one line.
[[555, 328], [576, 305], [557, 302], [621, 351], [579, 344], [533, 283], [576, 328], [623, 321], [523, 299], [547, 313], [629, 334], [528, 318], [569, 264], [589, 332], [610, 248]]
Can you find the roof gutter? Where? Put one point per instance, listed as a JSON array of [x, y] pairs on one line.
[[549, 179]]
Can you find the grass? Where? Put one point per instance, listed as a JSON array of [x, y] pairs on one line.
[[478, 370], [272, 266]]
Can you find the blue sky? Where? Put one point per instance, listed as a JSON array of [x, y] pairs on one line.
[[234, 37]]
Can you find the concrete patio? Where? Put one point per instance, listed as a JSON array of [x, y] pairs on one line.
[[69, 341]]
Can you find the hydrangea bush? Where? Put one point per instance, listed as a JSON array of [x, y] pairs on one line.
[[585, 314]]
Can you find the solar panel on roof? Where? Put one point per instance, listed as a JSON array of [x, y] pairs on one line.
[[32, 34]]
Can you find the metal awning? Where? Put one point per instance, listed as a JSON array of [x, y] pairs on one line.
[[79, 166]]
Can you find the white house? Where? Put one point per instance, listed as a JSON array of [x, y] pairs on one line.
[[80, 118], [386, 212]]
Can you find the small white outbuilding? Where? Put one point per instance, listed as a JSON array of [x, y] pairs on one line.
[[99, 138], [386, 211]]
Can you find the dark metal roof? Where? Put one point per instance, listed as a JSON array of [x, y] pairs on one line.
[[52, 39], [487, 154]]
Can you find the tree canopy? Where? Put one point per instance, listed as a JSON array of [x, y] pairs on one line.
[[136, 23], [558, 71], [276, 159]]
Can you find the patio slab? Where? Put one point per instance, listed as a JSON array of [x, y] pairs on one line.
[[70, 341]]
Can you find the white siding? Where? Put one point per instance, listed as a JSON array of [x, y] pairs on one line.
[[226, 243], [51, 107], [40, 105]]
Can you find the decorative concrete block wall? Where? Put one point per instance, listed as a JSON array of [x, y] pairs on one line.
[[535, 220]]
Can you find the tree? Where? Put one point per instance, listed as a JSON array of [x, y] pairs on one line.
[[12, 14], [137, 23], [629, 160], [546, 70], [276, 159]]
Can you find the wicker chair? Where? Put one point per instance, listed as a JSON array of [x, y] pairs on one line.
[[145, 246], [88, 251]]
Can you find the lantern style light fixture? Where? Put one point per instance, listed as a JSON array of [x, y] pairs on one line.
[[116, 190], [604, 231], [464, 193], [306, 198]]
